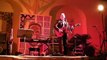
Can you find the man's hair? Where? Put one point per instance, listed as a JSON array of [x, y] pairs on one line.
[[36, 24], [63, 14]]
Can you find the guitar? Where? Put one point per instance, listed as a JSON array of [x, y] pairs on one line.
[[61, 31]]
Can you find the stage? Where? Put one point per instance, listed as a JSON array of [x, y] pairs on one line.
[[13, 57]]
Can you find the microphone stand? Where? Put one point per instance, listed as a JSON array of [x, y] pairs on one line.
[[104, 38]]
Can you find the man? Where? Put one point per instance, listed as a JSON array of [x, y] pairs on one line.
[[36, 30], [60, 31], [36, 36]]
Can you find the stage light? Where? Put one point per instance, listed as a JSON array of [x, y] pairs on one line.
[[103, 40], [100, 7]]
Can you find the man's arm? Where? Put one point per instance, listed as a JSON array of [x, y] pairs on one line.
[[56, 26]]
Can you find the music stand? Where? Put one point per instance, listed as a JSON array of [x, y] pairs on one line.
[[23, 34]]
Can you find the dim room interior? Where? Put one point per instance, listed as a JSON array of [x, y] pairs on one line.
[[28, 29]]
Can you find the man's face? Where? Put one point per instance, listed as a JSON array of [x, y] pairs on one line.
[[36, 31], [62, 16]]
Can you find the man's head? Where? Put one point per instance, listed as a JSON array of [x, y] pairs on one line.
[[62, 16], [36, 30]]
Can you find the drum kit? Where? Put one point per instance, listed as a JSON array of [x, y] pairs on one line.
[[77, 46]]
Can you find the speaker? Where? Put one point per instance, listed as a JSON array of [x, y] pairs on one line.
[[2, 37], [3, 43]]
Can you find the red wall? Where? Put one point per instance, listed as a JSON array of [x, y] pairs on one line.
[[86, 13]]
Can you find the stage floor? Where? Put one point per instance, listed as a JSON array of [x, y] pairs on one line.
[[13, 57]]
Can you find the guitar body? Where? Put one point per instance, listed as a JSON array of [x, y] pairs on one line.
[[59, 33]]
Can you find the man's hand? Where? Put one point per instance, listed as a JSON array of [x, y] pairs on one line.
[[60, 30]]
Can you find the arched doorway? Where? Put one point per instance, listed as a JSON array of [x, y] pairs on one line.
[[72, 13]]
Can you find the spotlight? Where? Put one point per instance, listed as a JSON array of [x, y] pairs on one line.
[[100, 7]]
